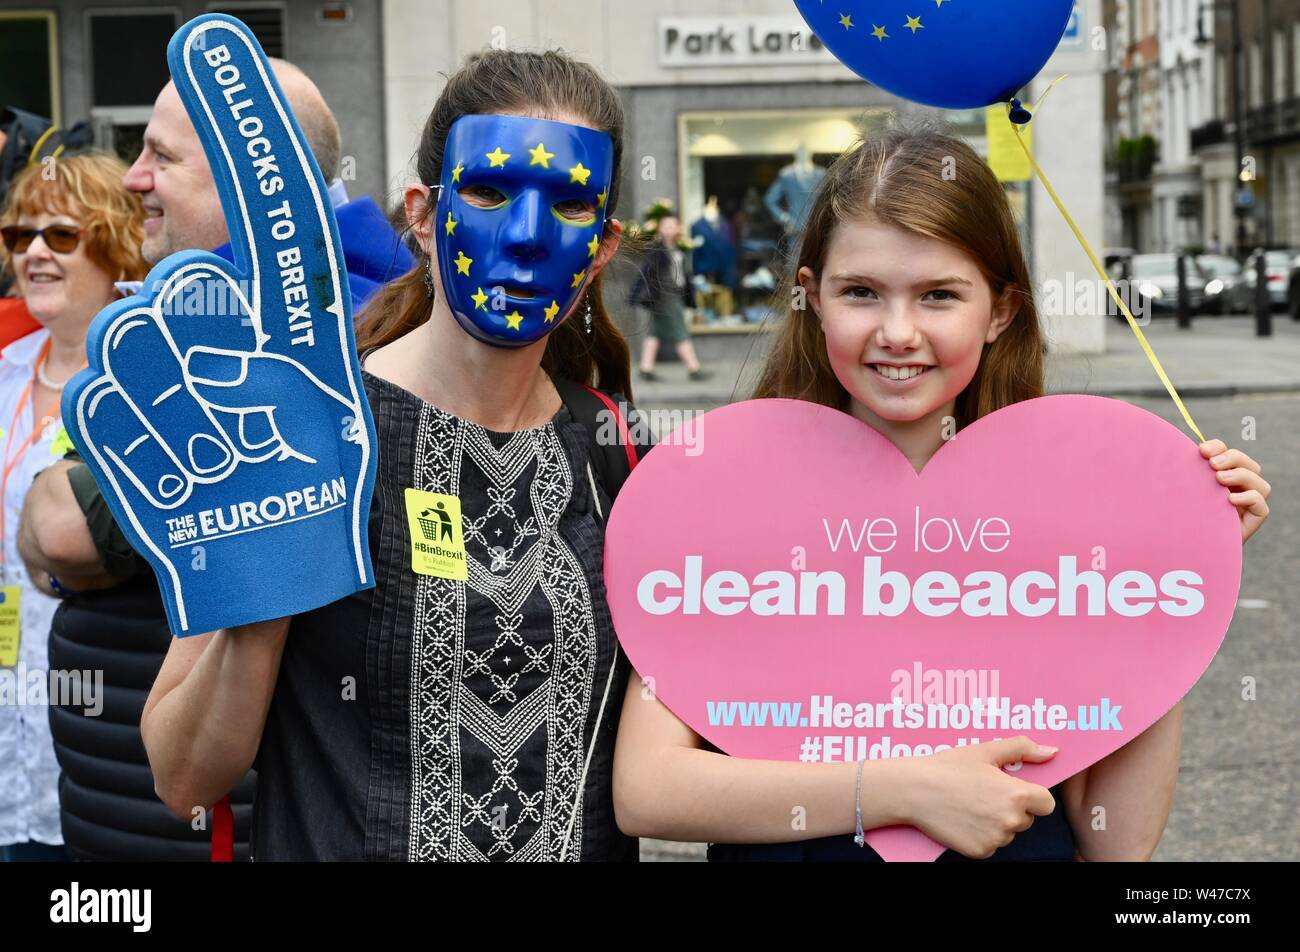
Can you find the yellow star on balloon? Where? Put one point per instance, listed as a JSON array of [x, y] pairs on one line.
[[551, 311], [914, 24], [462, 263], [455, 173], [513, 319], [846, 21], [479, 299], [497, 158], [600, 199], [578, 174], [577, 278], [541, 156], [593, 246], [450, 224], [880, 34], [939, 4]]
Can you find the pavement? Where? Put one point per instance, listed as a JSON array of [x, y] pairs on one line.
[[1218, 356]]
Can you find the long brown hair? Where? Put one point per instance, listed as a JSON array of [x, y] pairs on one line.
[[492, 81], [935, 185]]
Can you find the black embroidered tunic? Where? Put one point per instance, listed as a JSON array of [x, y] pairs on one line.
[[434, 719]]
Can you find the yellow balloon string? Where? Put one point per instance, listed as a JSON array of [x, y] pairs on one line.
[[1101, 272]]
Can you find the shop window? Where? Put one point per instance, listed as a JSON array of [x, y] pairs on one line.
[[746, 179]]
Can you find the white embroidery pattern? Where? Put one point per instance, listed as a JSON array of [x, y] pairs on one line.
[[495, 690]]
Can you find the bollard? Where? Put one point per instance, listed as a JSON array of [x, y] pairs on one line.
[[1263, 305], [1184, 305]]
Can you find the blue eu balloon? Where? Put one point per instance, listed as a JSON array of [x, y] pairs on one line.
[[955, 54]]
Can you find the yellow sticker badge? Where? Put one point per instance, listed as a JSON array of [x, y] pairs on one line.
[[437, 540], [10, 624], [61, 444]]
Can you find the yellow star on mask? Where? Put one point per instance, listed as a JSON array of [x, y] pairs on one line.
[[479, 299], [914, 24], [455, 173], [577, 278], [880, 34], [513, 319], [496, 157], [600, 199], [578, 174], [462, 263], [450, 224], [593, 245], [551, 311], [846, 21], [541, 156]]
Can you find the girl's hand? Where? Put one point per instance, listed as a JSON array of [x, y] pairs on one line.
[[963, 799], [1241, 474]]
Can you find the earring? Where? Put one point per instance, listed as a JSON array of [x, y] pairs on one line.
[[587, 317], [428, 277]]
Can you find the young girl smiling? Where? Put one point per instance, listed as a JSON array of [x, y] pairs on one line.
[[919, 318]]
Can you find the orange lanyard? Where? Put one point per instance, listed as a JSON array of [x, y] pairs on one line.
[[11, 462]]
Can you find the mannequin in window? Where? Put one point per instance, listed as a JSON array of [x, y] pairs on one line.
[[714, 257], [791, 194]]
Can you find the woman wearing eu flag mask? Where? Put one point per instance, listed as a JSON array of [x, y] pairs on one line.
[[466, 707]]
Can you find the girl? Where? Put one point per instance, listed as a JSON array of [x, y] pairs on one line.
[[919, 308], [457, 712]]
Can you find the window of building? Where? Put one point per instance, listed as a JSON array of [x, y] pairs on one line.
[[1255, 75], [1279, 66], [1295, 51], [126, 57], [266, 20], [1221, 80], [30, 54]]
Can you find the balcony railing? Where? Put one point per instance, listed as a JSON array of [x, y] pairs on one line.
[[1213, 132], [1276, 122]]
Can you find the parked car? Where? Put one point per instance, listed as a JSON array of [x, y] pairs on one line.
[[1226, 291], [1154, 280], [1277, 267]]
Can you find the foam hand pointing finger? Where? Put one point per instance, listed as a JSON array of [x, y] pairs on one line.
[[222, 412]]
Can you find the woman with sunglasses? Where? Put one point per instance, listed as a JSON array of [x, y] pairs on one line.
[[70, 231]]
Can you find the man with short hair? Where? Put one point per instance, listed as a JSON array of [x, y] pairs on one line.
[[112, 611]]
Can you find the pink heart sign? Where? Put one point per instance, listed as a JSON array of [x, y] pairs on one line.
[[1064, 568]]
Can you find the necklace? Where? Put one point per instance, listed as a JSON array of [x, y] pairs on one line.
[[47, 382]]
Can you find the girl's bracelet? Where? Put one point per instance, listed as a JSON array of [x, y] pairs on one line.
[[859, 836]]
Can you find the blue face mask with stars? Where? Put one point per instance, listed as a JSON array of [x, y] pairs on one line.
[[519, 221]]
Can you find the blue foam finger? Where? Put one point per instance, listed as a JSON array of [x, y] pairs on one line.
[[219, 409]]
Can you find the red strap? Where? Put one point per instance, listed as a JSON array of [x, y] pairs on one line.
[[623, 434], [223, 832]]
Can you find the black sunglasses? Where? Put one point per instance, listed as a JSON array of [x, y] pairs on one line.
[[62, 239]]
